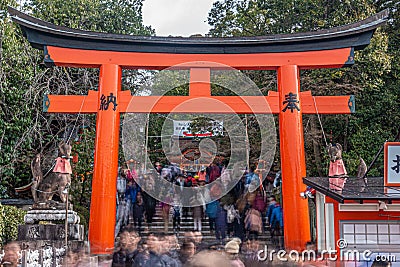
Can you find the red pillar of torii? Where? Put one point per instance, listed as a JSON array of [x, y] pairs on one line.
[[286, 54]]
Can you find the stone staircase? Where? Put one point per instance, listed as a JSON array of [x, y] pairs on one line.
[[187, 225]]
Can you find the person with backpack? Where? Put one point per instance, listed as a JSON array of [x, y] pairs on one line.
[[230, 217]]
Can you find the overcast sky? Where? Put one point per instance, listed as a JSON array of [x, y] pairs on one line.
[[177, 17]]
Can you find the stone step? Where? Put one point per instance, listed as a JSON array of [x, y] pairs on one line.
[[183, 228], [187, 224], [207, 237], [182, 222]]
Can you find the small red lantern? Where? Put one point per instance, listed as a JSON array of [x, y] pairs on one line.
[[75, 158]]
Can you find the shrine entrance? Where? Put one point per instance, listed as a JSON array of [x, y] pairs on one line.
[[287, 54]]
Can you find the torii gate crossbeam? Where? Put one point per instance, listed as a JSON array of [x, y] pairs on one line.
[[286, 54]]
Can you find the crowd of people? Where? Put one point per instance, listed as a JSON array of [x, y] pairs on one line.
[[243, 210], [248, 209], [161, 249], [236, 219]]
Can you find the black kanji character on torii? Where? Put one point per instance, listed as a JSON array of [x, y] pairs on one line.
[[291, 102], [396, 167], [104, 103]]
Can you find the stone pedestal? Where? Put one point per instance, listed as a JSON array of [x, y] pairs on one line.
[[42, 237], [34, 232], [34, 216]]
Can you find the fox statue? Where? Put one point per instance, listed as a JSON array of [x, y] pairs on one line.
[[337, 170], [44, 188]]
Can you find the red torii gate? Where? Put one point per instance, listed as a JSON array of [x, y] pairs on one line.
[[287, 54]]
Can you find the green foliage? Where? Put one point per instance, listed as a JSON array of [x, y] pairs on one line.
[[260, 17], [83, 169], [24, 129], [2, 225], [120, 16], [10, 218], [84, 215], [17, 70]]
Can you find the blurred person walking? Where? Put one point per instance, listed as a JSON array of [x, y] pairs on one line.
[[127, 250], [187, 251], [176, 217], [277, 226], [209, 259], [150, 208], [165, 209], [260, 205], [253, 222], [221, 224], [11, 254], [232, 251], [198, 241], [138, 213], [198, 214], [211, 212]]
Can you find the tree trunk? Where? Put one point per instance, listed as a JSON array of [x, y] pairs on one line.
[[317, 151]]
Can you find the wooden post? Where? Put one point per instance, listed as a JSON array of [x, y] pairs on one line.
[[295, 210], [104, 189]]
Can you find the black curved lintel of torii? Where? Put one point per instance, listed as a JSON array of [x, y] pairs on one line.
[[356, 35]]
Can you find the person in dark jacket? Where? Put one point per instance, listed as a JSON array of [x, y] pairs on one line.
[[221, 223], [271, 207], [176, 217], [187, 251], [158, 253], [132, 190], [127, 250], [150, 207], [215, 172], [152, 246], [238, 190], [277, 226], [138, 212], [277, 217]]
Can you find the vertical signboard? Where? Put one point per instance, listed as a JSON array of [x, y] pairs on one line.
[[392, 163]]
